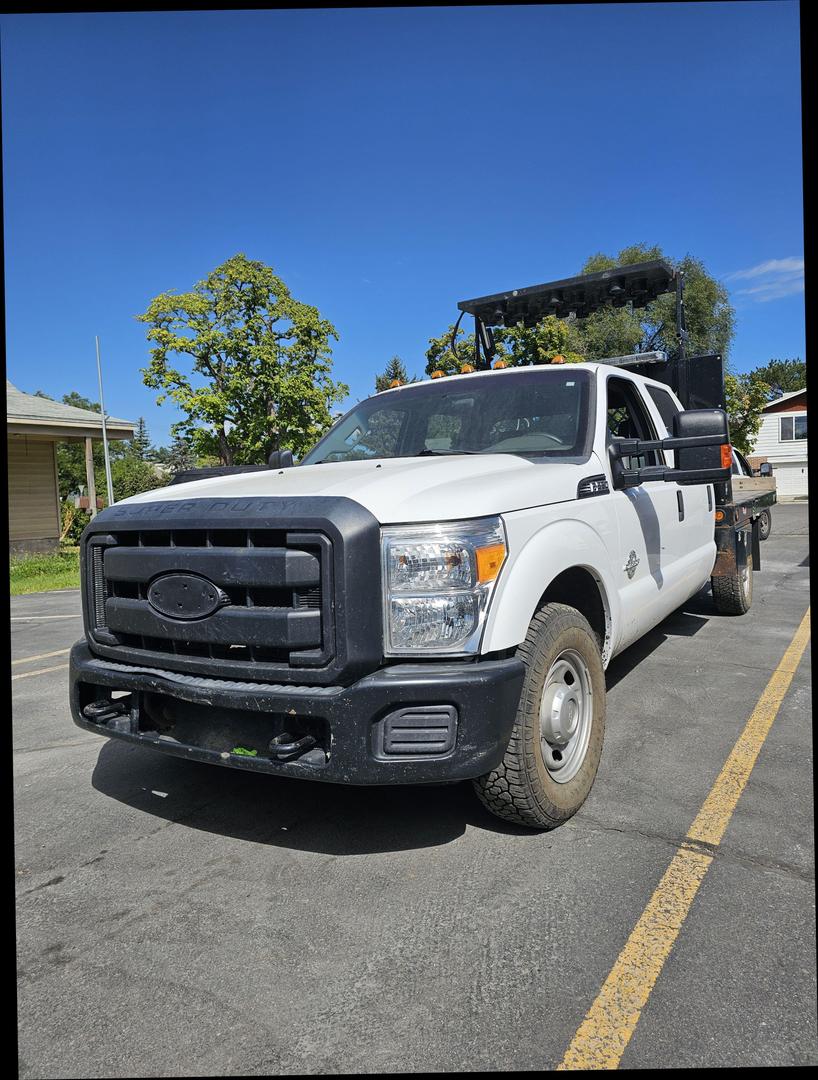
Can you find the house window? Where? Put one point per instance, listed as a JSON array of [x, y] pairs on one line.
[[792, 427]]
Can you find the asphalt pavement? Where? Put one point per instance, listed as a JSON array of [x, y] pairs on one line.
[[180, 919]]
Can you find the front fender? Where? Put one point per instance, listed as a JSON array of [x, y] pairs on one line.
[[540, 551]]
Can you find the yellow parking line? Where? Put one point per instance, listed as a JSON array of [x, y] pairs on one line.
[[603, 1035], [41, 671], [39, 656]]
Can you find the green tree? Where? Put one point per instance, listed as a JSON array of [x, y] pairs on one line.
[[140, 444], [395, 371], [783, 376], [745, 397], [709, 316], [440, 357], [131, 475], [539, 344], [264, 356]]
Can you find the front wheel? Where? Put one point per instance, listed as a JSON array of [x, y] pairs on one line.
[[556, 743]]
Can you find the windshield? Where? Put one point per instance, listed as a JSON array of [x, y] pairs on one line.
[[529, 411]]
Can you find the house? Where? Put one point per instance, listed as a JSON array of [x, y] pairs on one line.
[[782, 440], [34, 427]]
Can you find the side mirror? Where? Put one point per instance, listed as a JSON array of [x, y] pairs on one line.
[[695, 424], [766, 469], [280, 459], [700, 441]]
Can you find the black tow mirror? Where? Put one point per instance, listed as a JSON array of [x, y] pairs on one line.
[[700, 441], [280, 459]]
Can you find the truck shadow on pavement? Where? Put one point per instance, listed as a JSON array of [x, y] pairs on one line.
[[329, 818], [281, 812], [686, 621]]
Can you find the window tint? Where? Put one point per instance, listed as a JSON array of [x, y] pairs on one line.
[[666, 405], [628, 419]]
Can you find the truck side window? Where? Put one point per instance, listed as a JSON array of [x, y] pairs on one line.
[[629, 419], [667, 407]]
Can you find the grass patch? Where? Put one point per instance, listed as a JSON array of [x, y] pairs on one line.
[[42, 573]]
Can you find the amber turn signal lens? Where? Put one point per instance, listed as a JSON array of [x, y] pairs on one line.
[[489, 561], [558, 359], [726, 456], [498, 364], [437, 374], [465, 369], [719, 515], [394, 383]]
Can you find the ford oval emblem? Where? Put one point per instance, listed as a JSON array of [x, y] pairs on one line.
[[185, 596]]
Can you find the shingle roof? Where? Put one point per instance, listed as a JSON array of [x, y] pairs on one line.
[[785, 397], [29, 407]]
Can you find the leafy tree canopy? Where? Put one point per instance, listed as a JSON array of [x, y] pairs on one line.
[[617, 331], [784, 376], [260, 363], [746, 395]]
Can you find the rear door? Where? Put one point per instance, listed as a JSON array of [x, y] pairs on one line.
[[648, 517]]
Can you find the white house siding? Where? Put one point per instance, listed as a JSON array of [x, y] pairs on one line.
[[788, 457], [768, 444]]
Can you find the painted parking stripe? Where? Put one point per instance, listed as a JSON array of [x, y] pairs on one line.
[[603, 1035], [30, 618], [39, 656], [41, 671]]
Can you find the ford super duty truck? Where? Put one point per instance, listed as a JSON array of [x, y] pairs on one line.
[[433, 594]]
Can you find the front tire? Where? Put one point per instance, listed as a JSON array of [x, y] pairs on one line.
[[556, 742]]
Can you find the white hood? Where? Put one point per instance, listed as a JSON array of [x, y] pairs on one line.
[[399, 490]]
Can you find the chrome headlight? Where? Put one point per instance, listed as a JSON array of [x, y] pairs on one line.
[[437, 583]]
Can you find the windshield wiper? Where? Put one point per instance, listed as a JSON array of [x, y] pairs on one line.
[[427, 451]]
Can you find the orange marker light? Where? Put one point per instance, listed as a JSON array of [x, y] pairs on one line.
[[719, 515], [499, 364], [394, 383], [489, 561], [465, 369], [558, 359], [726, 456], [437, 374]]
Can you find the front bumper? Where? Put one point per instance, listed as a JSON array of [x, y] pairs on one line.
[[342, 728]]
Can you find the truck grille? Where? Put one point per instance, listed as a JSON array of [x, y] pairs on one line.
[[272, 612]]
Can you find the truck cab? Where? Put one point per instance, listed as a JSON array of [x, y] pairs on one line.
[[431, 595]]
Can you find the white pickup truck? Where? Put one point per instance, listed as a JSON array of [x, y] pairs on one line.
[[431, 595]]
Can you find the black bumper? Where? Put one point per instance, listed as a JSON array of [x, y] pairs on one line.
[[342, 728]]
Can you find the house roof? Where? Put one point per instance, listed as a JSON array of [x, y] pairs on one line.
[[29, 414], [784, 397]]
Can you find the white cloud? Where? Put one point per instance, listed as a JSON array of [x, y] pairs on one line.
[[771, 280]]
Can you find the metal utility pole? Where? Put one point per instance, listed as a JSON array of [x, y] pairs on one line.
[[104, 432]]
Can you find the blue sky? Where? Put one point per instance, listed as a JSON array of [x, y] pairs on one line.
[[387, 163]]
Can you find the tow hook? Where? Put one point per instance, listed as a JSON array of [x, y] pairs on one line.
[[281, 748], [112, 714], [101, 711]]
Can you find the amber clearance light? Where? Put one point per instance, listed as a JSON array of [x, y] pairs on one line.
[[726, 456], [489, 561]]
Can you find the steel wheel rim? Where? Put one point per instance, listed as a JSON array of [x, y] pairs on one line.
[[566, 715]]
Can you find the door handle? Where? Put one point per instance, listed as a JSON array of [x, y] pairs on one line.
[[681, 503]]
